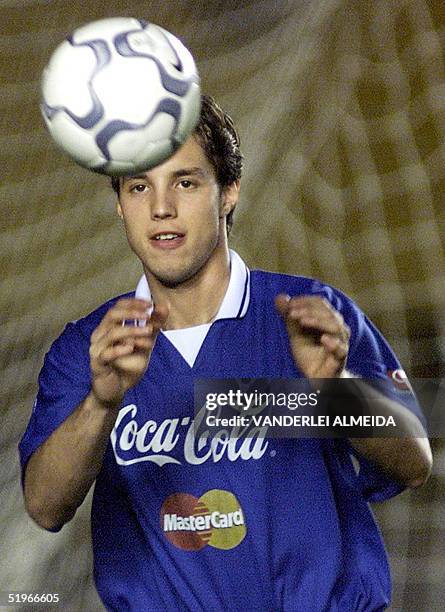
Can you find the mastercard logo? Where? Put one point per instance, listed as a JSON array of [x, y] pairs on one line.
[[214, 519]]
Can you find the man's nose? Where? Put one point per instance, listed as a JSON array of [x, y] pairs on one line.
[[163, 205]]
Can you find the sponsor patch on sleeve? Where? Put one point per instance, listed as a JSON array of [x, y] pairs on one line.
[[400, 379]]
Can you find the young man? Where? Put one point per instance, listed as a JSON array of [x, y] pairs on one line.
[[181, 521]]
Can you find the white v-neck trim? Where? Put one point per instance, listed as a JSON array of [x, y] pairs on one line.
[[188, 341]]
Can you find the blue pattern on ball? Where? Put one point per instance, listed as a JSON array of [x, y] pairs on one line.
[[171, 107], [174, 86], [103, 56]]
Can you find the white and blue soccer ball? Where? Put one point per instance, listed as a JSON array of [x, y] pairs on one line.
[[120, 95]]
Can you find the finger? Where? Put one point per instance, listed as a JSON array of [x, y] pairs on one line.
[[320, 315], [118, 335], [158, 319], [282, 302], [143, 345], [128, 311], [116, 315], [109, 354], [127, 333], [331, 367], [310, 301], [308, 304], [324, 322], [316, 306], [159, 315], [336, 346], [132, 302]]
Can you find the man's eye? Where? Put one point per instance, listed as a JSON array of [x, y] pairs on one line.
[[186, 183], [138, 188]]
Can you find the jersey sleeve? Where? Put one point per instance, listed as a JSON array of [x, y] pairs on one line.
[[370, 357], [64, 382]]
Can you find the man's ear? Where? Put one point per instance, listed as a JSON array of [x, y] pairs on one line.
[[119, 209], [230, 195]]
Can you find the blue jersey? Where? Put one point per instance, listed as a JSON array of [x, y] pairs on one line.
[[181, 522]]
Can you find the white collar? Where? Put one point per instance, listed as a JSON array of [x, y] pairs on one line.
[[237, 297]]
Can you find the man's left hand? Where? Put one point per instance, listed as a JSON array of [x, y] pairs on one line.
[[318, 335]]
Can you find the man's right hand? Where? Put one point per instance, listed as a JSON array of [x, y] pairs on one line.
[[120, 348], [61, 471]]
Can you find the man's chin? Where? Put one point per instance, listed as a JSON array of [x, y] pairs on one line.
[[171, 283], [171, 280], [172, 277]]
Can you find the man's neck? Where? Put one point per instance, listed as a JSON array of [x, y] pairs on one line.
[[196, 301]]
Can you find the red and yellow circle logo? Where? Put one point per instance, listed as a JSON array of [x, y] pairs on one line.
[[216, 519], [400, 379]]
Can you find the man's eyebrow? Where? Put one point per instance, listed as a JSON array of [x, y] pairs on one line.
[[193, 171], [132, 176]]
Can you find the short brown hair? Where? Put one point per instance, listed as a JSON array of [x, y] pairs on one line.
[[220, 141]]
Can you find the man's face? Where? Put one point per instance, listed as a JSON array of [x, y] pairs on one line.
[[174, 214]]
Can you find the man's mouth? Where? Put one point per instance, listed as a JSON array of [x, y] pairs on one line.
[[168, 236], [168, 240]]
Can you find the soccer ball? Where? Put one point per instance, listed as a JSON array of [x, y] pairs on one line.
[[120, 95]]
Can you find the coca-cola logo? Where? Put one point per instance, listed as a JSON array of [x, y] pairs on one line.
[[174, 441]]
